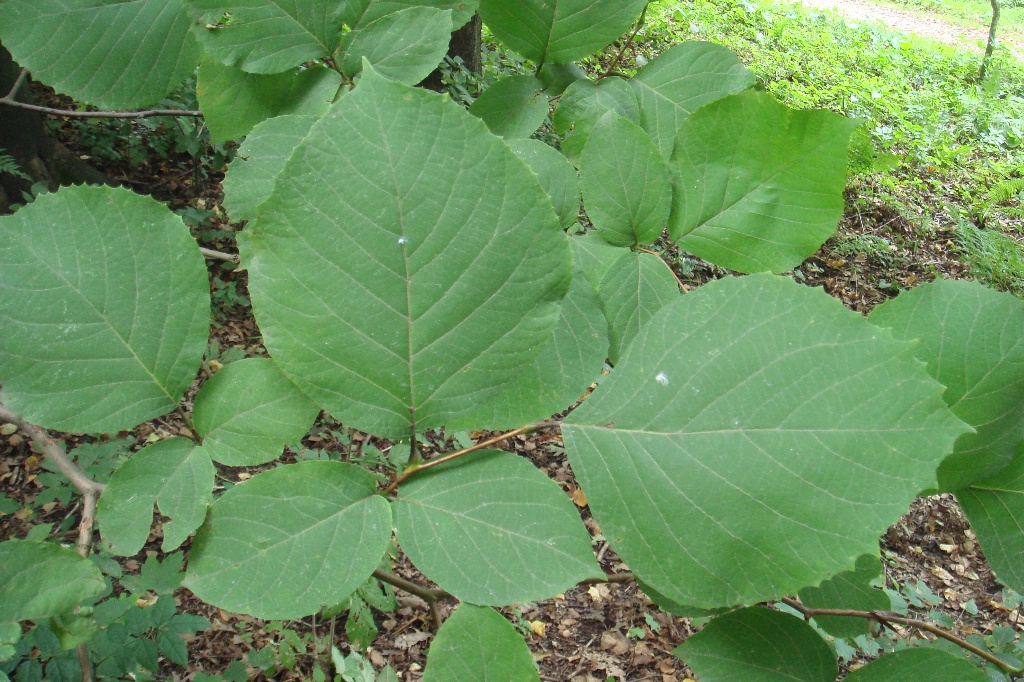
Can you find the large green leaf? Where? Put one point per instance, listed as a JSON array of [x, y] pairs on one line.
[[972, 340], [681, 80], [405, 275], [105, 312], [269, 36], [568, 364], [632, 291], [559, 30], [250, 176], [848, 590], [759, 644], [626, 184], [556, 175], [476, 644], [115, 55], [290, 541], [249, 411], [918, 665], [995, 508], [514, 107], [594, 256], [172, 474], [759, 187], [583, 104], [234, 101], [359, 13], [404, 46], [39, 580], [745, 446], [492, 529]]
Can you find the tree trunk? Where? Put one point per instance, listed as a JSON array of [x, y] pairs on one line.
[[990, 47], [465, 43], [25, 137]]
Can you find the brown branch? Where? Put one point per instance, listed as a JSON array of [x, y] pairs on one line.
[[427, 594], [9, 100], [54, 453], [626, 46], [888, 617], [18, 82], [89, 488], [218, 255], [479, 446], [624, 577]]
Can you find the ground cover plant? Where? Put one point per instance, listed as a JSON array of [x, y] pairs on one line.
[[414, 266], [936, 146]]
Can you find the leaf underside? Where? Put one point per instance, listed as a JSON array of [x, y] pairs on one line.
[[105, 325], [744, 447], [464, 251]]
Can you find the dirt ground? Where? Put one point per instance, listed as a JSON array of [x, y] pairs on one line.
[[917, 23]]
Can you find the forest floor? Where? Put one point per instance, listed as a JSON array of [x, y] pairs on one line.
[[590, 634]]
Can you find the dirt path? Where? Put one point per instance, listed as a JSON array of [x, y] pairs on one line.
[[912, 22]]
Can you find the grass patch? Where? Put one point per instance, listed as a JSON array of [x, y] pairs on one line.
[[935, 142]]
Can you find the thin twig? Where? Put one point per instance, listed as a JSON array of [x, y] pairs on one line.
[[218, 255], [89, 488], [188, 424], [17, 84], [465, 451], [624, 577], [425, 593], [9, 100], [53, 452], [887, 617], [626, 46]]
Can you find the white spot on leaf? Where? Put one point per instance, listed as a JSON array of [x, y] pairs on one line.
[[661, 379]]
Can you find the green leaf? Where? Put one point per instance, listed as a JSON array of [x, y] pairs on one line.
[[514, 107], [556, 175], [559, 30], [269, 36], [568, 364], [249, 411], [848, 590], [290, 541], [594, 256], [556, 77], [106, 311], [173, 474], [626, 184], [359, 13], [476, 644], [40, 580], [74, 46], [250, 176], [972, 340], [676, 609], [72, 629], [405, 46], [995, 508], [749, 422], [918, 665], [681, 80], [162, 577], [492, 529], [584, 103], [632, 291], [759, 187], [465, 292], [233, 101], [759, 644]]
